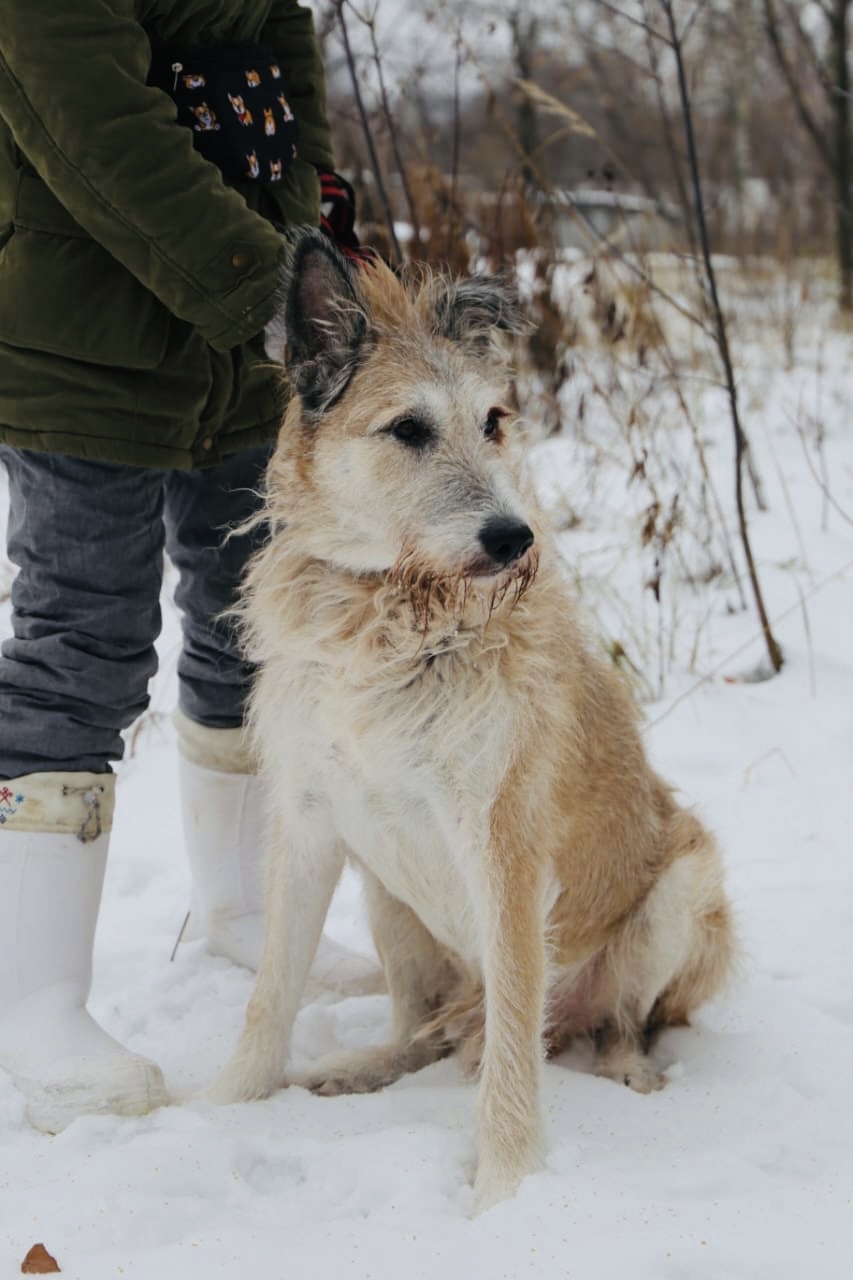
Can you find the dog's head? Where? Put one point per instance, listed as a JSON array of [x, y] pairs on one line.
[[398, 452]]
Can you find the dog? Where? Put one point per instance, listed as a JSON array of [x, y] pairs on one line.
[[206, 119], [429, 707], [241, 111]]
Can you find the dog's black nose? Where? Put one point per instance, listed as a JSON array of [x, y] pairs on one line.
[[505, 540]]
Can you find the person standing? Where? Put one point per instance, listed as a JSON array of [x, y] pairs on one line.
[[150, 156]]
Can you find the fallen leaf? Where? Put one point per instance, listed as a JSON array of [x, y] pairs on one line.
[[39, 1262]]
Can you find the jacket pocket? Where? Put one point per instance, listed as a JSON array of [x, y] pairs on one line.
[[63, 294]]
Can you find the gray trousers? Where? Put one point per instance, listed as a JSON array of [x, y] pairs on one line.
[[88, 539]]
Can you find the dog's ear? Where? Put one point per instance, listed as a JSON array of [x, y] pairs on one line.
[[324, 322], [471, 310]]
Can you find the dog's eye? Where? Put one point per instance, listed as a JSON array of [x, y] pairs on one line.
[[411, 432], [492, 429]]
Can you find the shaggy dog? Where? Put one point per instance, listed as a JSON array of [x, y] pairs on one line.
[[428, 707]]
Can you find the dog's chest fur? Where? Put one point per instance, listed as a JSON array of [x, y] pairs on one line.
[[406, 759]]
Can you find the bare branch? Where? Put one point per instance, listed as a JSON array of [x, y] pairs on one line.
[[457, 130], [741, 442], [805, 41], [368, 132], [686, 29], [675, 157], [646, 72], [810, 124], [640, 23], [803, 597], [390, 125], [819, 480]]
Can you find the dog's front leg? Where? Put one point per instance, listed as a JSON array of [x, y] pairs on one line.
[[421, 977], [304, 867], [509, 1126]]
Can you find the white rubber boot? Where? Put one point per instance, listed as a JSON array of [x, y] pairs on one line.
[[222, 803], [222, 812], [53, 849]]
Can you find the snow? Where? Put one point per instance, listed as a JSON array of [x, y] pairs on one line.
[[741, 1168]]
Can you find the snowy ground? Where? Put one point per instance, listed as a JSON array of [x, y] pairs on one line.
[[741, 1169]]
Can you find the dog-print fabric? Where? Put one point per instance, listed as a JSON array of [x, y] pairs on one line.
[[235, 102]]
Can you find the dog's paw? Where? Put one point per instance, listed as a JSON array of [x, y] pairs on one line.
[[366, 1070], [503, 1162], [494, 1185], [360, 1071], [635, 1070], [648, 1080], [235, 1084], [333, 1084]]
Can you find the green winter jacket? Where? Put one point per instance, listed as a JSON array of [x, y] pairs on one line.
[[134, 282]]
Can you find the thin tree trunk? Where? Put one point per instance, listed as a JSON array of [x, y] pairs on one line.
[[833, 138], [773, 650], [741, 77], [368, 135], [524, 29], [391, 126], [843, 152]]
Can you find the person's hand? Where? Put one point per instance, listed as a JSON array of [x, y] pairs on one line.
[[337, 219]]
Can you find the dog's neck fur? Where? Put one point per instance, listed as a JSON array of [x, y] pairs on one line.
[[409, 623], [364, 642]]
